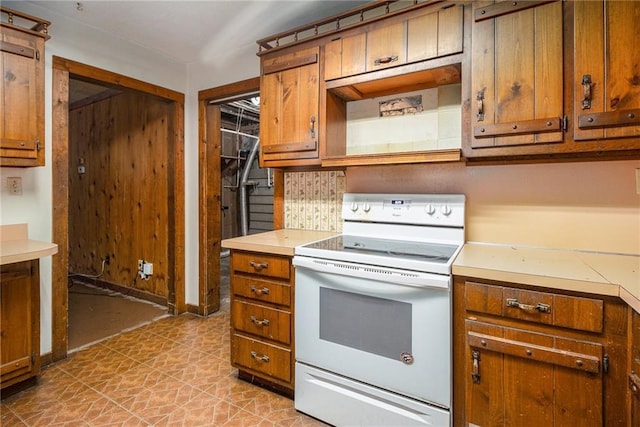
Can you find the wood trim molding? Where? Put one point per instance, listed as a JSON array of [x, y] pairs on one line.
[[63, 70], [209, 190]]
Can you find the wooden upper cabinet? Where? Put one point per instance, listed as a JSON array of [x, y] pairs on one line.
[[289, 96], [516, 74], [22, 93], [423, 35], [606, 84]]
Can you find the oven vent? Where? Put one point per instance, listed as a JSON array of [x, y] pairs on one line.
[[379, 271]]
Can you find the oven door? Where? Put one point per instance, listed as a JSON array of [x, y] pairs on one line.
[[372, 325]]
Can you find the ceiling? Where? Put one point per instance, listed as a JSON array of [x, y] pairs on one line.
[[186, 31]]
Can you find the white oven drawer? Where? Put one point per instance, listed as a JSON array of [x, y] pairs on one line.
[[343, 402]]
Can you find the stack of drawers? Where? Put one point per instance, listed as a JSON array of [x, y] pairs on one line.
[[262, 318]]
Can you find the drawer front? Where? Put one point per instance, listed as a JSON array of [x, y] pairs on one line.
[[585, 314], [262, 264], [259, 356], [262, 290], [263, 321]]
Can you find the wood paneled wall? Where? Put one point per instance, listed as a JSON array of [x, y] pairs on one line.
[[119, 206]]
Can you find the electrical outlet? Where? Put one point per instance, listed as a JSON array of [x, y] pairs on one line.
[[14, 185]]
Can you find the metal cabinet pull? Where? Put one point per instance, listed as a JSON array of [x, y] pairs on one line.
[[586, 86], [475, 369], [480, 103], [259, 265], [263, 358], [542, 308], [263, 322], [312, 128], [385, 60], [263, 291]]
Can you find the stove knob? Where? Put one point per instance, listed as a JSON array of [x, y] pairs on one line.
[[430, 209], [366, 207], [446, 210], [354, 207]]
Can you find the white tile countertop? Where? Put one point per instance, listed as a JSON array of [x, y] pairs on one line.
[[597, 273], [15, 245], [279, 242]]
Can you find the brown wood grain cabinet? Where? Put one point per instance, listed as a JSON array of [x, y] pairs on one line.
[[538, 357], [289, 120], [606, 83], [19, 322], [262, 345], [425, 34], [517, 76], [554, 79], [22, 90], [634, 368]]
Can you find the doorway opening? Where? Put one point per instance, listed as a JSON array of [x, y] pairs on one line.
[[230, 177], [111, 150]]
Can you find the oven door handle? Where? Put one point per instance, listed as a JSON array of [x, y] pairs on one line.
[[414, 280]]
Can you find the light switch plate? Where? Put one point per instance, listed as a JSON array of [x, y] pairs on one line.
[[14, 185]]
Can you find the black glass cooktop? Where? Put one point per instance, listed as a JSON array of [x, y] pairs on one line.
[[400, 249]]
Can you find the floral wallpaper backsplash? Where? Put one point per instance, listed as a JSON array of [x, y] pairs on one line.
[[313, 200]]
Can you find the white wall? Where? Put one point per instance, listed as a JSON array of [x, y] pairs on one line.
[[88, 46]]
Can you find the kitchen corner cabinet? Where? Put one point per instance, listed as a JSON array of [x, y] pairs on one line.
[[634, 368], [425, 34], [19, 322], [22, 90], [606, 84], [262, 318], [531, 356], [516, 78], [289, 96]]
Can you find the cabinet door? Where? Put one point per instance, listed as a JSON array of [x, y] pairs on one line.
[[516, 377], [289, 96], [18, 323], [386, 46], [22, 99], [345, 56], [435, 34], [607, 78], [517, 74]]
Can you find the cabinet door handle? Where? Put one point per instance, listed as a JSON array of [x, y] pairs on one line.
[[263, 322], [475, 366], [263, 291], [586, 87], [259, 265], [312, 128], [480, 103], [385, 60], [263, 358], [542, 308]]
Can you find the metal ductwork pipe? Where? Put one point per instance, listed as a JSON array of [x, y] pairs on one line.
[[242, 194]]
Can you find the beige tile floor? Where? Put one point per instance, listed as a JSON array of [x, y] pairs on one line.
[[172, 372]]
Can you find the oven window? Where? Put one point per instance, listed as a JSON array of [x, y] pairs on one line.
[[375, 325]]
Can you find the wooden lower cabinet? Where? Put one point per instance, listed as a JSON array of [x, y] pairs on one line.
[[634, 368], [19, 322], [262, 319], [525, 355]]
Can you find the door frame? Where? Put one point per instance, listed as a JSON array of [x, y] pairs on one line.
[[209, 179], [63, 70]]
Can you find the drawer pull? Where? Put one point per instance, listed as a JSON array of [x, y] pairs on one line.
[[542, 308], [475, 368], [385, 60], [263, 358], [259, 265], [263, 291], [263, 322]]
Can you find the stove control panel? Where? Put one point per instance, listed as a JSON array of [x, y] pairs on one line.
[[445, 210]]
